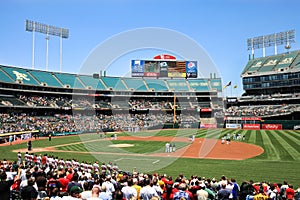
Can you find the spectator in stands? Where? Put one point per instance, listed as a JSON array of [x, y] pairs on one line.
[[74, 193], [55, 194], [136, 187], [6, 184], [147, 192], [103, 194], [261, 195], [74, 182], [95, 194], [63, 182], [29, 192], [202, 193], [223, 193], [290, 193], [182, 193], [110, 188]]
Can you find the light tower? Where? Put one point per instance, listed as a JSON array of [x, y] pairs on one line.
[[275, 39], [33, 27]]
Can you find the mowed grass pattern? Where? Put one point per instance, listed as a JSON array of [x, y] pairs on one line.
[[141, 147], [280, 160]]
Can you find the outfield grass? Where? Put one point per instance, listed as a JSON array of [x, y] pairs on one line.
[[280, 160]]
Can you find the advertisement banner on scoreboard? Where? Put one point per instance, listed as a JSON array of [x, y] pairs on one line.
[[272, 126], [191, 69], [251, 126], [137, 68], [233, 126]]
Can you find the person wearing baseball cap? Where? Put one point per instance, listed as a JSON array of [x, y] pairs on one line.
[[74, 193]]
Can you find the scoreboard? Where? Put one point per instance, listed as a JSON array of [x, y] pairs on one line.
[[164, 68]]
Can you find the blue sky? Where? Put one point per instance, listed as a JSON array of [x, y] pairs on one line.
[[221, 27]]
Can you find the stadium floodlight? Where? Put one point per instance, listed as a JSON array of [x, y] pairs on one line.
[[33, 27], [275, 39]]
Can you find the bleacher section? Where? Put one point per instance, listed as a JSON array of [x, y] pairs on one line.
[[10, 101]]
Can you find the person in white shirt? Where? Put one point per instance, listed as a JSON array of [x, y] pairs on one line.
[[110, 188], [95, 194], [147, 192], [128, 191]]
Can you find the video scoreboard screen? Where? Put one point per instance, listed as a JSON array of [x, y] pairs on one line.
[[155, 68]]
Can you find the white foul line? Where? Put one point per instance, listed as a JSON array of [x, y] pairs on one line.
[[155, 161]]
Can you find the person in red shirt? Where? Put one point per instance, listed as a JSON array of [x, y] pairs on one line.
[[64, 182], [69, 174], [44, 160], [168, 187], [290, 192], [35, 159]]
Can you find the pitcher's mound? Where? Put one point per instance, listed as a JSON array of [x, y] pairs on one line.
[[121, 145]]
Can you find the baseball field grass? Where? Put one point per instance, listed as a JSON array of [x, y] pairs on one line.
[[279, 161]]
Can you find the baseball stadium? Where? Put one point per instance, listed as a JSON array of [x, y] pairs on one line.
[[164, 121]]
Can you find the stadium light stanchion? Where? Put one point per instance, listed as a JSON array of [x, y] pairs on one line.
[[47, 49], [60, 50], [33, 27], [33, 38], [252, 48], [275, 45], [275, 39], [264, 47]]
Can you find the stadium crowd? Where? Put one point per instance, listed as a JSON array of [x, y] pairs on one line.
[[37, 177], [92, 103], [261, 110], [59, 123], [152, 104]]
